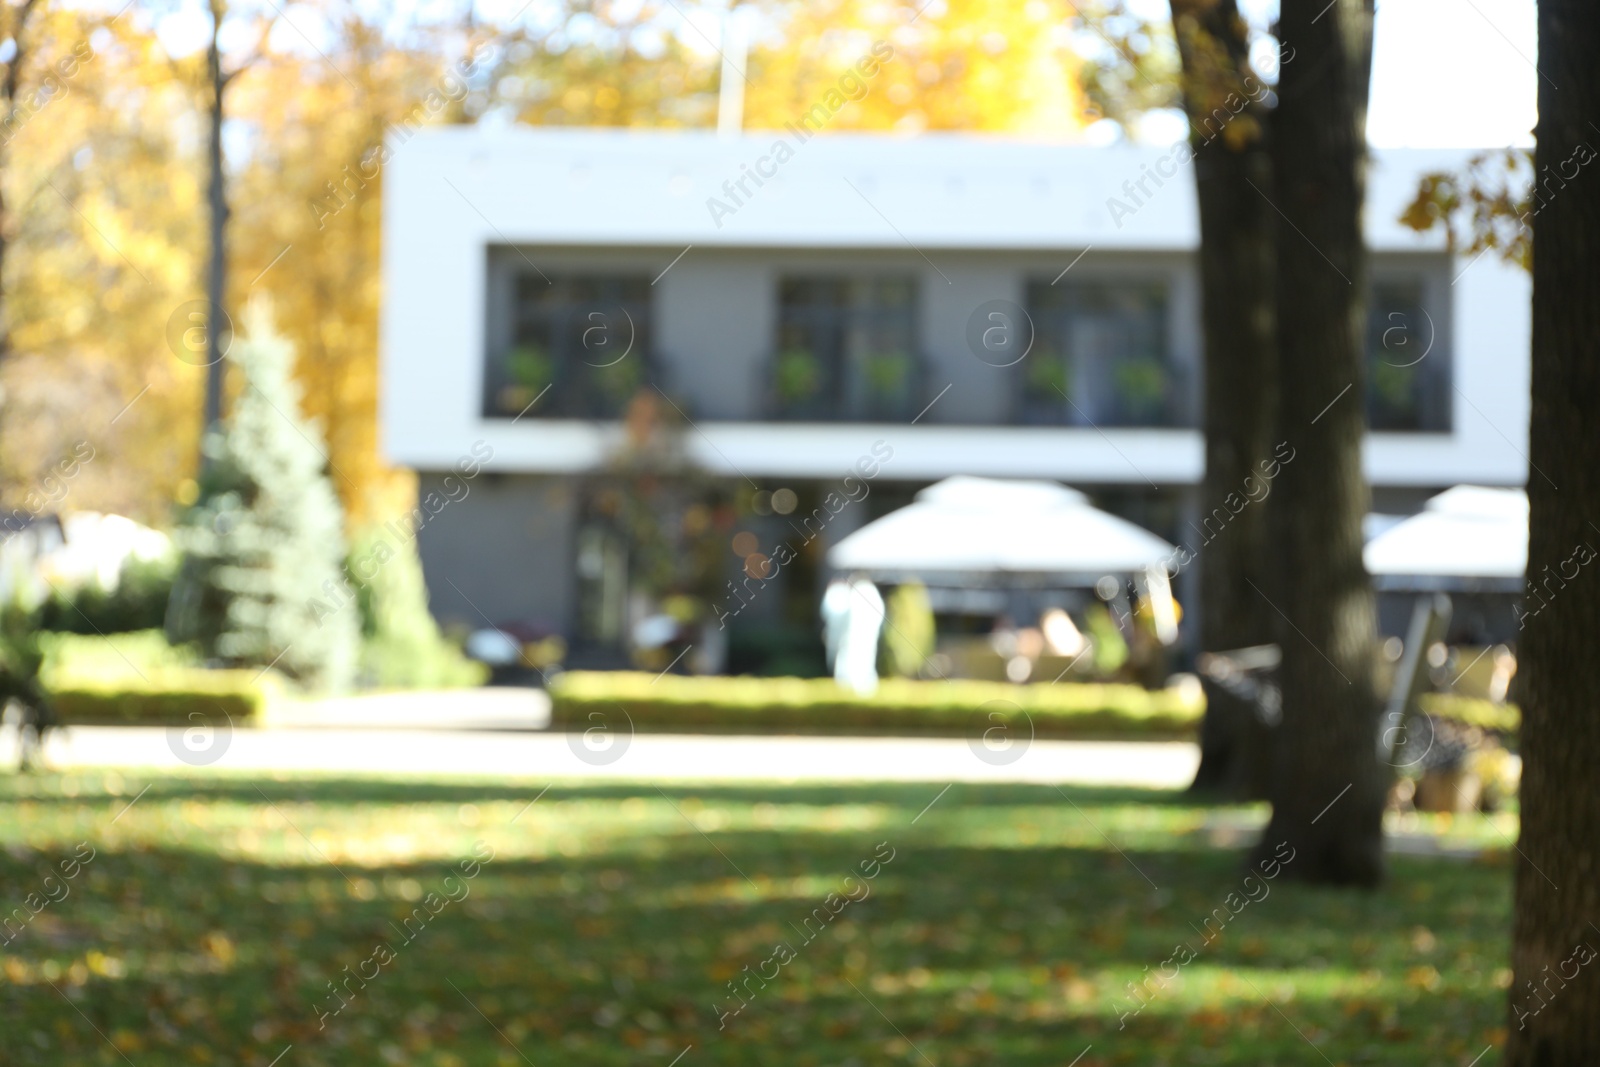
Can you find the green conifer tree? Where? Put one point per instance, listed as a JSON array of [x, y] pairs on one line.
[[261, 582]]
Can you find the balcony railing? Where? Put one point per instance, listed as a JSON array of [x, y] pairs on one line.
[[1127, 392], [528, 381], [865, 387]]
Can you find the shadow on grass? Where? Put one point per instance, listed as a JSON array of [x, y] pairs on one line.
[[972, 946]]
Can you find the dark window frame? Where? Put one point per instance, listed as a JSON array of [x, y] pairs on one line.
[[578, 345], [846, 347], [1409, 362], [1133, 381]]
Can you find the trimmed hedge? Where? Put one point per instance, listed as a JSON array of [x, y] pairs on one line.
[[675, 703], [900, 706], [138, 678], [209, 697], [1502, 718]]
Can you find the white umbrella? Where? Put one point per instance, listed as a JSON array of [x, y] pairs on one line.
[[1466, 538], [984, 531]]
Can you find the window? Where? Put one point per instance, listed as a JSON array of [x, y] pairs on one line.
[[846, 350], [579, 348], [1100, 356], [1408, 366]]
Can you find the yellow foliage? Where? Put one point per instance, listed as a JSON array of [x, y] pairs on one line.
[[977, 65], [101, 242], [306, 230]]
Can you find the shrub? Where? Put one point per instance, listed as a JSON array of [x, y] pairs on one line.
[[908, 632], [401, 645], [1110, 647], [71, 659], [139, 602], [264, 542], [776, 650], [205, 696], [817, 705], [21, 659], [140, 678], [1502, 718]]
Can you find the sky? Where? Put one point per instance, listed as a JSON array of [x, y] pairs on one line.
[[1453, 74]]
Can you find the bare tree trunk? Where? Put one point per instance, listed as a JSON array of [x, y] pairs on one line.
[[1328, 782], [1556, 983], [217, 197], [1227, 120]]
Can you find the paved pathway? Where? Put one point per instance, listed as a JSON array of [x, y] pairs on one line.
[[503, 733], [488, 708], [646, 756]]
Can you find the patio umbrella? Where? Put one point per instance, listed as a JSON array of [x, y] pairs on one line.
[[1469, 538], [988, 532]]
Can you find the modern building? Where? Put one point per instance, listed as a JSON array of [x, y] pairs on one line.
[[934, 305]]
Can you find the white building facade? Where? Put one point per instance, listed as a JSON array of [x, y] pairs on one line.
[[984, 307]]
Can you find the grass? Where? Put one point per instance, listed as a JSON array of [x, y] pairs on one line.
[[610, 920]]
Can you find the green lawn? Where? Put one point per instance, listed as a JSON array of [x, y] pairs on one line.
[[606, 928]]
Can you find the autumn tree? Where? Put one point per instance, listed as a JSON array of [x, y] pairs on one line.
[[626, 69], [1225, 102], [16, 32], [970, 65], [101, 179], [1557, 897], [1488, 205], [308, 222], [974, 65], [1328, 784]]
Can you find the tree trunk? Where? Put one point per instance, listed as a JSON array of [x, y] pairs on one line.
[[217, 268], [1556, 983], [1227, 120], [1328, 782]]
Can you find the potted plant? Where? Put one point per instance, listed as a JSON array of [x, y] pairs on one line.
[[530, 369], [798, 377]]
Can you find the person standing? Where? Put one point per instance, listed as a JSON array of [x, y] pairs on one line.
[[855, 660]]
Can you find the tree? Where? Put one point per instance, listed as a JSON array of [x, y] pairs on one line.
[[15, 30], [264, 544], [1328, 784], [1228, 119], [401, 646], [974, 65], [619, 67], [1553, 995], [968, 65], [306, 222], [217, 82], [103, 242], [1495, 193]]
